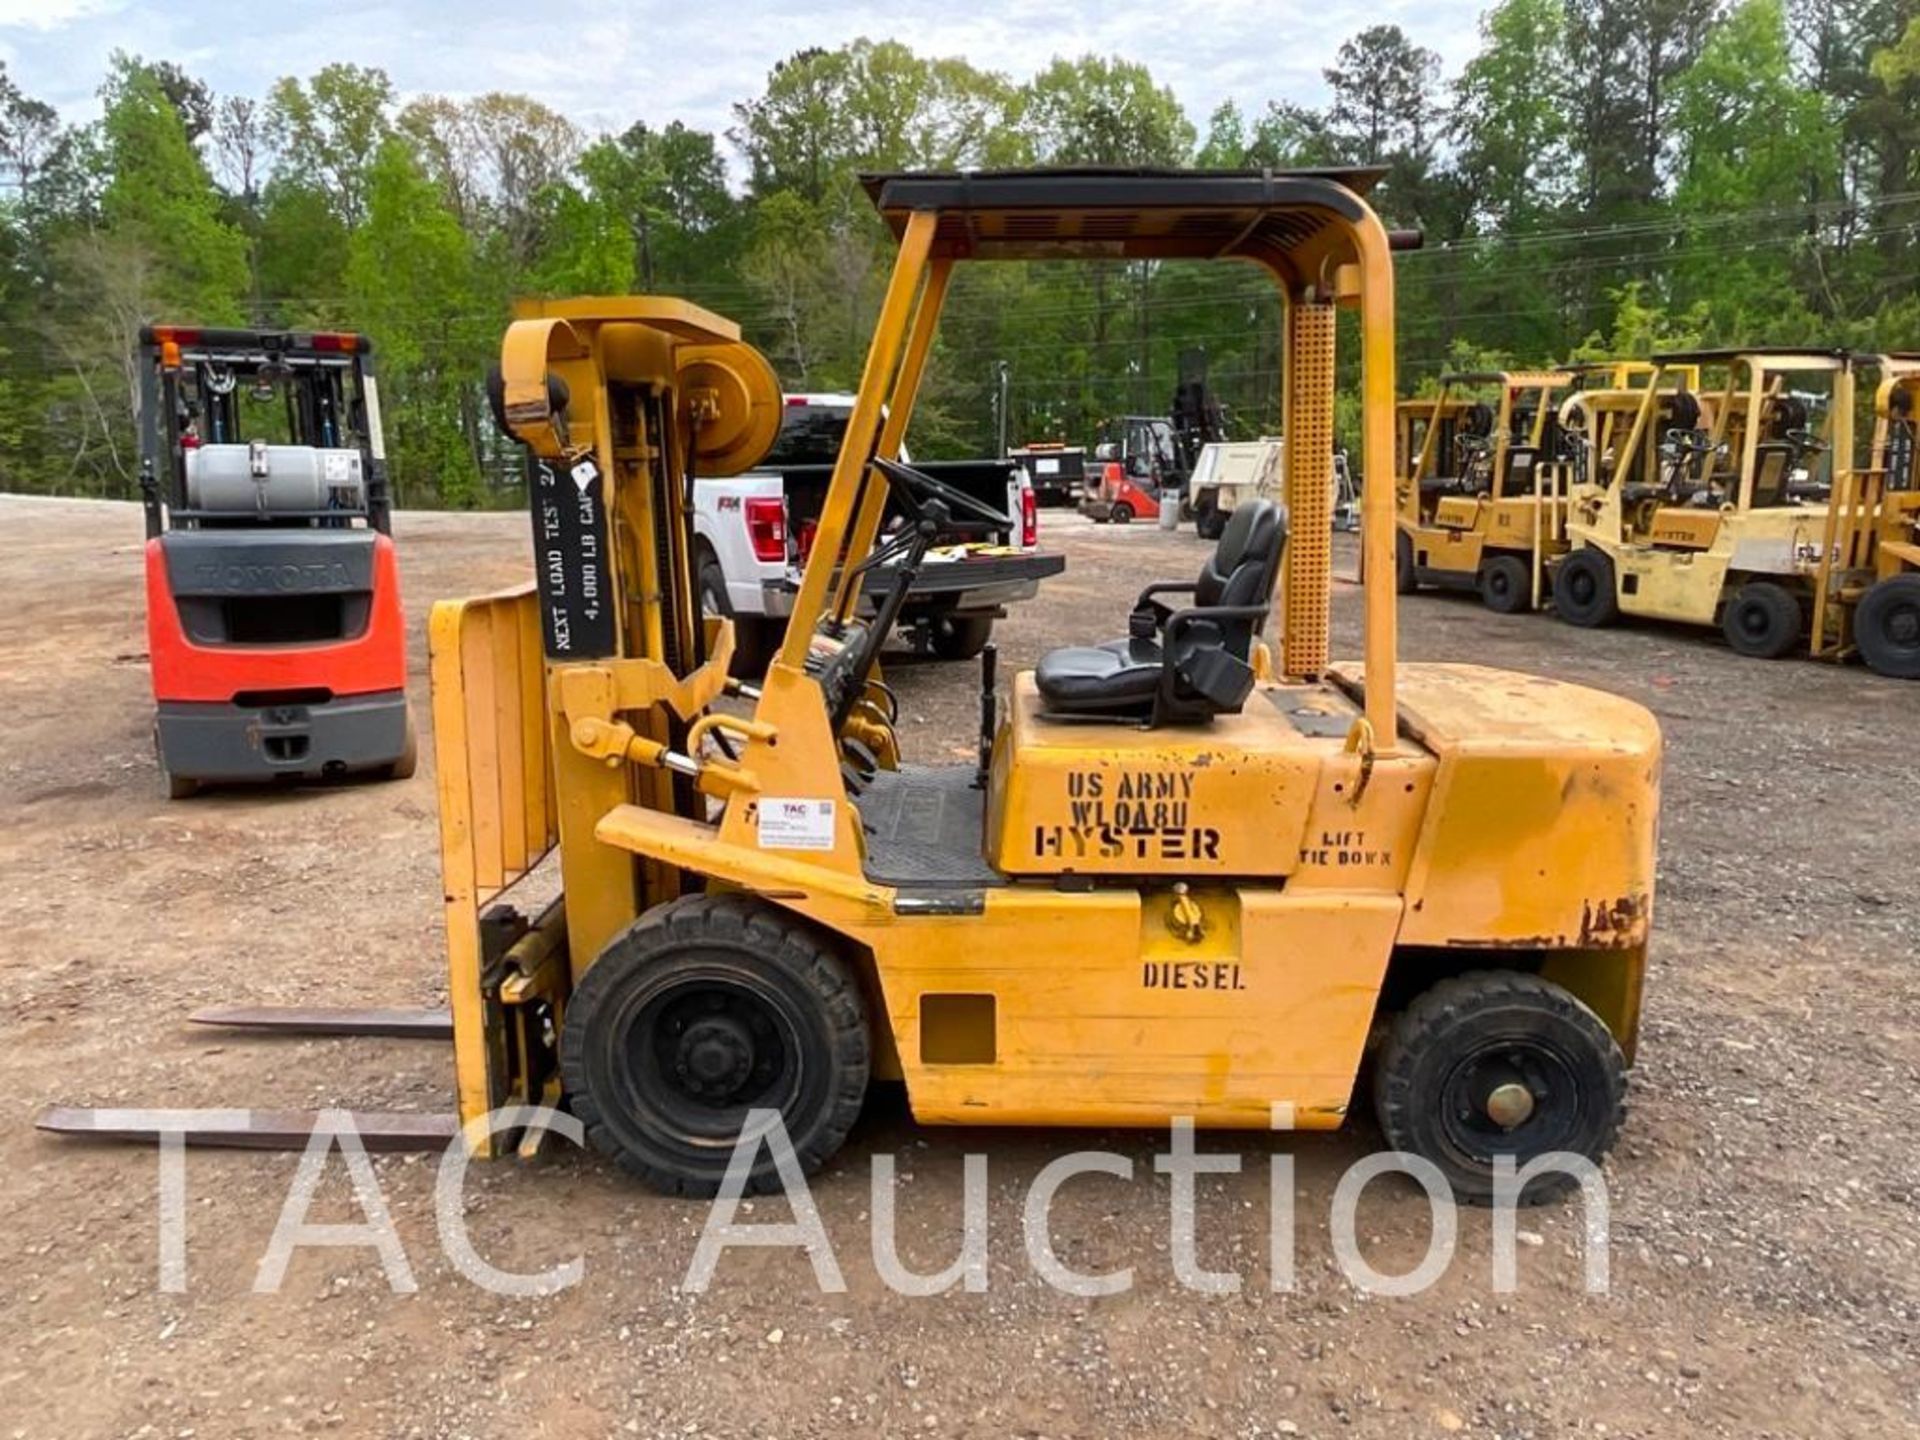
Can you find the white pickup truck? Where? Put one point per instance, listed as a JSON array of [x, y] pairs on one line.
[[753, 533]]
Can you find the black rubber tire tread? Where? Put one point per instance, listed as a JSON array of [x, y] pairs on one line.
[[1406, 579], [712, 580], [1885, 655], [1777, 612], [766, 938], [755, 639], [753, 635], [1122, 513], [408, 761], [1506, 585], [1210, 523], [1413, 1061], [960, 637], [1602, 607], [178, 787]]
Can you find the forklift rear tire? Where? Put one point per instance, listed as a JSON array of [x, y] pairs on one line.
[[702, 1009], [1507, 1044], [1122, 513], [1505, 586], [1762, 620], [754, 636], [179, 787], [1406, 579], [1887, 627], [1583, 590], [409, 761]]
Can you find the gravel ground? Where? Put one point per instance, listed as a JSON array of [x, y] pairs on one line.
[[1765, 1276]]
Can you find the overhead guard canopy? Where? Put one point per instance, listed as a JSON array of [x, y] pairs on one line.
[[1748, 352], [1279, 217]]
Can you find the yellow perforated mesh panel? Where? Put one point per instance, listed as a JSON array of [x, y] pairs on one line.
[[1304, 622]]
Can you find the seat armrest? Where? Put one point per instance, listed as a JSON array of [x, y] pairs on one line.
[[1210, 679], [1166, 587], [1211, 616], [1144, 622], [1202, 614]]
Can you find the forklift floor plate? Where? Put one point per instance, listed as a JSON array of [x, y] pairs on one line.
[[926, 827]]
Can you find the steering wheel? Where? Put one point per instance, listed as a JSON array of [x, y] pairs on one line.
[[912, 486]]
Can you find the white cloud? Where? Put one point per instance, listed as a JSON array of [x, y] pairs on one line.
[[50, 14], [608, 64]]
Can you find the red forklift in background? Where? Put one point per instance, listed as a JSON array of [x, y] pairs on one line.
[[273, 600], [1137, 459]]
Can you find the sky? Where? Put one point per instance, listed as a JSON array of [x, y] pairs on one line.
[[607, 64]]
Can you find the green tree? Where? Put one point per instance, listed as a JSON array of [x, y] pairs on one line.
[[410, 279], [160, 204], [1753, 145], [870, 105], [329, 130], [29, 130], [1097, 111], [1509, 125], [670, 185], [1385, 106]]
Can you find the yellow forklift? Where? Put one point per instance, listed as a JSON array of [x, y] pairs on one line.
[[1711, 508], [1194, 872], [1867, 591], [1469, 494]]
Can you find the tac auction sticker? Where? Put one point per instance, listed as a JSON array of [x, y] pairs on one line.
[[796, 824]]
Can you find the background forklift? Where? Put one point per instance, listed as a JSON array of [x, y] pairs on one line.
[[274, 628], [1469, 491], [1192, 872], [1140, 458], [1867, 591], [1703, 515]]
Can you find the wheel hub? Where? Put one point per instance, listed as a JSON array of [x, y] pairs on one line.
[[715, 1056], [1903, 625], [1510, 1105]]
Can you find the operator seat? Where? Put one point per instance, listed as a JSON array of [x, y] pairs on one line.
[[1187, 664]]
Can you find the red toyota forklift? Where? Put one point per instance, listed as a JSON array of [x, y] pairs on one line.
[[273, 599]]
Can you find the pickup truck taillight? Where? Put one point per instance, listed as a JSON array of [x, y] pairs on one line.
[[1029, 519], [767, 527]]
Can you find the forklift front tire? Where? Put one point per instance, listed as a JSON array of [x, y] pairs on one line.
[[1583, 590], [1505, 586], [1762, 620], [1406, 579], [705, 1008], [1499, 1063], [1887, 627]]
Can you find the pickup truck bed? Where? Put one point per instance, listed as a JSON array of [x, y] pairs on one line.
[[756, 533]]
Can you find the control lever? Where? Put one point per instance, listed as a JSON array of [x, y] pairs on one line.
[[989, 712]]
